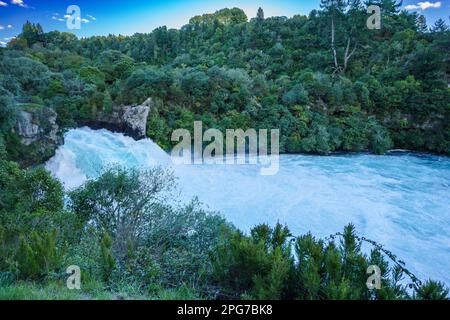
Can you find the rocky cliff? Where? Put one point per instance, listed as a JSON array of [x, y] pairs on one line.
[[38, 133], [130, 120], [37, 124]]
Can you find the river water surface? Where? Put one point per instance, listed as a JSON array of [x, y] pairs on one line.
[[400, 200]]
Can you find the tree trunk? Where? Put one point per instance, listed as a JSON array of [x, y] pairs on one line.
[[333, 48], [348, 55]]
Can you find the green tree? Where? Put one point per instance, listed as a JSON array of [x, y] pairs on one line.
[[432, 290], [34, 228], [7, 114], [260, 14], [32, 33], [256, 266], [122, 203], [440, 26]]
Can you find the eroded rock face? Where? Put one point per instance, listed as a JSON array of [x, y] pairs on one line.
[[135, 121], [38, 133], [28, 131], [130, 120], [36, 125]]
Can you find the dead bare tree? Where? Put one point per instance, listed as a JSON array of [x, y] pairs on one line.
[[334, 7]]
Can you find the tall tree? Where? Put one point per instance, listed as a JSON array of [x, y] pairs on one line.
[[336, 12], [260, 14], [32, 33], [389, 7], [439, 26], [421, 22]]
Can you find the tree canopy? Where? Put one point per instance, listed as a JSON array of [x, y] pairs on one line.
[[325, 80]]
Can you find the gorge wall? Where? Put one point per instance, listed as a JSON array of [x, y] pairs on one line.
[[40, 135]]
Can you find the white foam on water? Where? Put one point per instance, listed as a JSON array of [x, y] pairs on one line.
[[401, 200]]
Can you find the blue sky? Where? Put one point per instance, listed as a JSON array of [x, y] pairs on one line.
[[127, 17]]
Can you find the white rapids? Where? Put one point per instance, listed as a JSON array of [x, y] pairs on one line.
[[400, 200]]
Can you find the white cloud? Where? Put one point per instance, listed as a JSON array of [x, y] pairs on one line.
[[3, 44], [411, 7], [3, 4], [2, 27], [68, 16], [82, 20], [58, 19], [20, 3], [423, 5], [9, 26]]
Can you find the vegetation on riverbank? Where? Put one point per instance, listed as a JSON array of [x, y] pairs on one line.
[[366, 90], [132, 241]]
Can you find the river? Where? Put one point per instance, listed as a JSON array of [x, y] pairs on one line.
[[401, 200]]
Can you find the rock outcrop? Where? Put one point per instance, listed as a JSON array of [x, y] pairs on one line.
[[38, 132], [37, 124], [130, 120], [40, 136], [27, 129], [134, 120]]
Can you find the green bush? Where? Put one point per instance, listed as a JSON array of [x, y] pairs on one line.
[[7, 114], [38, 255], [121, 203], [141, 239], [256, 266], [380, 140], [107, 259], [262, 266], [34, 228]]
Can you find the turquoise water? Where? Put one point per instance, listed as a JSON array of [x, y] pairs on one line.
[[401, 200]]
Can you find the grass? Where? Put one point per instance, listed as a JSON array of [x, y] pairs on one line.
[[33, 291], [57, 290]]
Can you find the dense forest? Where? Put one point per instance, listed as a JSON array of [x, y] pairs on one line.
[[325, 80]]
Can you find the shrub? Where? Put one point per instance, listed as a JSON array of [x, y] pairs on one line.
[[107, 259], [38, 254], [121, 203], [262, 266], [432, 290], [380, 140], [255, 266], [142, 239], [179, 242], [34, 228]]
